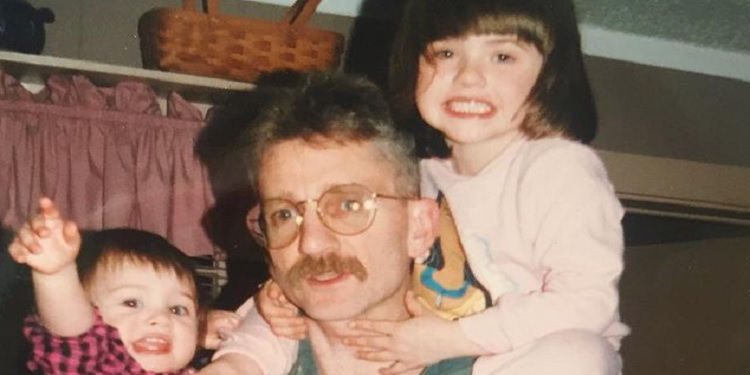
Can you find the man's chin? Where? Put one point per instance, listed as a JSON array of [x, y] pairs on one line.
[[330, 315]]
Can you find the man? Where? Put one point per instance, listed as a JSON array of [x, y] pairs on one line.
[[340, 215]]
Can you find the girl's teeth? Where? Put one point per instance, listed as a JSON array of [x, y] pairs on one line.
[[470, 107]]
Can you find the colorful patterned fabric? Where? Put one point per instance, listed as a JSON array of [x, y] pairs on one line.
[[99, 351]]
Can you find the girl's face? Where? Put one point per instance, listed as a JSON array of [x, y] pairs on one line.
[[154, 312], [473, 89]]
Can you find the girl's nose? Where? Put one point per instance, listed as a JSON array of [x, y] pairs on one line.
[[469, 73]]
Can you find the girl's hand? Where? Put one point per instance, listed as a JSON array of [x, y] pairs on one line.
[[410, 344], [281, 315], [218, 323], [47, 244]]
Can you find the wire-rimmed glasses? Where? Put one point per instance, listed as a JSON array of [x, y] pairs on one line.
[[344, 209]]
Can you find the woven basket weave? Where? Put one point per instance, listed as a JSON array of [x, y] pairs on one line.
[[209, 44]]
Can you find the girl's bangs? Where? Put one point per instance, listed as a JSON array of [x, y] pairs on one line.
[[526, 27]]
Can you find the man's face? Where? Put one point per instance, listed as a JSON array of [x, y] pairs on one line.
[[328, 275]]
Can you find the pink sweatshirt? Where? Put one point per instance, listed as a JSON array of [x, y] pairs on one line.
[[541, 229]]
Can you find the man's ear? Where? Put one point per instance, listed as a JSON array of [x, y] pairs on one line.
[[251, 220], [424, 215]]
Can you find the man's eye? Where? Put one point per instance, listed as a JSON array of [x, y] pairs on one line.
[[281, 215], [350, 205], [132, 303], [179, 310]]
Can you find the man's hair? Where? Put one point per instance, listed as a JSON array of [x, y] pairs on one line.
[[323, 108], [561, 102], [108, 249]]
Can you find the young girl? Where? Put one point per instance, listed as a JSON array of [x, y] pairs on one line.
[[134, 310], [526, 268], [530, 251]]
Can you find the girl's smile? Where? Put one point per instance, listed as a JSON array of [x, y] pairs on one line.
[[474, 90], [467, 108]]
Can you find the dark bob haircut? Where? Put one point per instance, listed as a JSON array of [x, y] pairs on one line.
[[561, 102]]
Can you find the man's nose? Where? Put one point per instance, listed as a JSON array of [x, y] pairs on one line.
[[314, 236]]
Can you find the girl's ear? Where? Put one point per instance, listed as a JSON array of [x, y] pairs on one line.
[[424, 215]]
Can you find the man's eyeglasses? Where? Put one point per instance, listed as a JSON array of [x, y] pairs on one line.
[[344, 209]]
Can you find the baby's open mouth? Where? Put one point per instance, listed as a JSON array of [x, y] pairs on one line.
[[152, 345]]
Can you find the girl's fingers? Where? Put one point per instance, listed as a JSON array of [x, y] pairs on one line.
[[369, 344], [397, 368], [376, 356], [281, 312], [379, 327], [297, 323], [412, 304], [274, 290]]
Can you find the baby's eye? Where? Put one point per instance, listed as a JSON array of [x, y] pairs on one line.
[[179, 310], [132, 303]]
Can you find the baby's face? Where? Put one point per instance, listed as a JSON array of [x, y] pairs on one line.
[[154, 312]]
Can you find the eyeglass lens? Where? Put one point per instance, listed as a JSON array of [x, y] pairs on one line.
[[344, 209]]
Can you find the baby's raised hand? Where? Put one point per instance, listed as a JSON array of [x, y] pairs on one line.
[[279, 313], [218, 323], [46, 243]]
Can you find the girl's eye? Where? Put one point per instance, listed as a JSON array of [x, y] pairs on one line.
[[442, 54], [179, 310], [132, 303], [503, 58]]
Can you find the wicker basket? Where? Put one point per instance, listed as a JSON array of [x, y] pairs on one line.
[[190, 41]]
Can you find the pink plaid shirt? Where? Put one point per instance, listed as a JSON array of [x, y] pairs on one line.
[[99, 351]]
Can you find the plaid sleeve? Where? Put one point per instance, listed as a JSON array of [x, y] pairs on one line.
[[99, 350]]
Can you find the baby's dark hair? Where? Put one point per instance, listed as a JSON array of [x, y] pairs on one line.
[[561, 102], [107, 249]]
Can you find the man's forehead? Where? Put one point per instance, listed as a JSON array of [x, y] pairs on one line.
[[300, 170]]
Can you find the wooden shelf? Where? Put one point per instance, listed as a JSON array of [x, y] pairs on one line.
[[35, 68]]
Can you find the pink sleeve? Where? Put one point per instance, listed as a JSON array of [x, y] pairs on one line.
[[254, 339], [571, 216]]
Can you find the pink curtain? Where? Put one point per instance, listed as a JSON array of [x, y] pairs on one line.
[[106, 156]]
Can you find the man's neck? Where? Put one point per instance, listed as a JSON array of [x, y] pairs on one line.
[[333, 357]]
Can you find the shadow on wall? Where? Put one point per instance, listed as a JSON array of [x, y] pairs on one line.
[[371, 39]]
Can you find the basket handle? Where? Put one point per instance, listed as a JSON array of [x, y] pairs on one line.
[[300, 12], [297, 14], [211, 6]]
